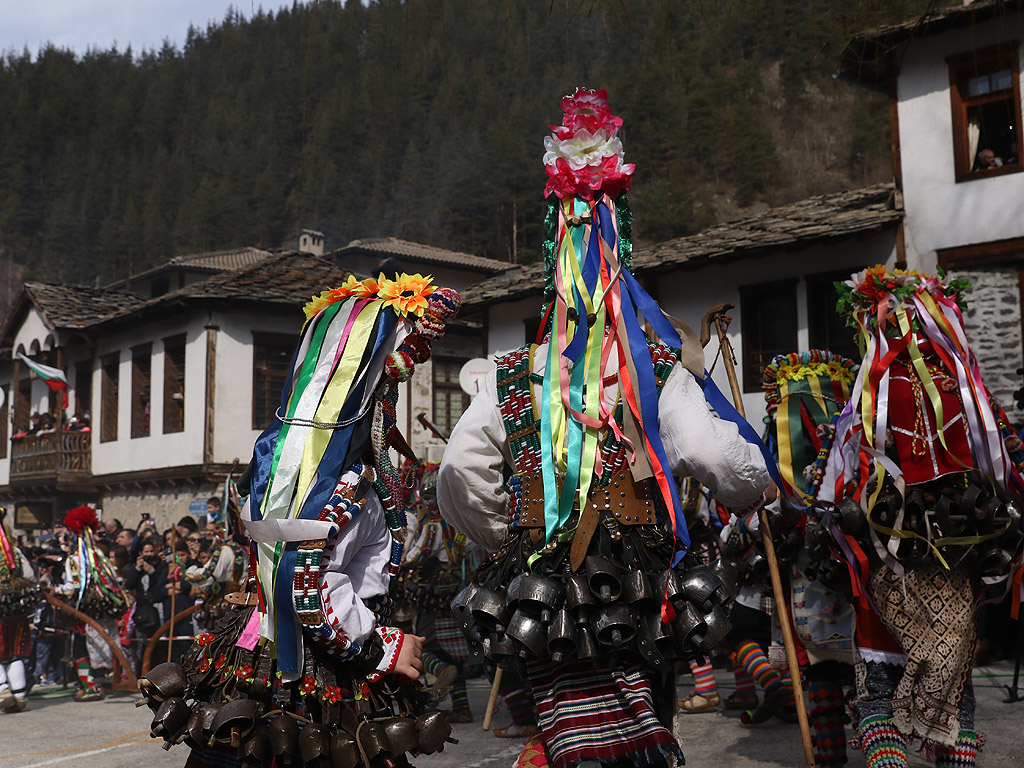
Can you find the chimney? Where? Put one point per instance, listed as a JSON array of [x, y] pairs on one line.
[[311, 241]]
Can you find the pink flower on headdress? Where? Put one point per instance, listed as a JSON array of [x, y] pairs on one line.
[[610, 176], [587, 110]]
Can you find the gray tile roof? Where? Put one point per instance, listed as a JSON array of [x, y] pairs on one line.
[[77, 306], [427, 254], [816, 219], [210, 262], [871, 54]]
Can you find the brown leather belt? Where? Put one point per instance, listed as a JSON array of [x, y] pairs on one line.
[[627, 501]]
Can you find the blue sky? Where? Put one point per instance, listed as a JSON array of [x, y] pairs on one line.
[[84, 24]]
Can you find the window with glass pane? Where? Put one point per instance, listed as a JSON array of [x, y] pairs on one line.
[[985, 98], [768, 314], [827, 329], [449, 399], [83, 391], [174, 384], [141, 386], [272, 354]]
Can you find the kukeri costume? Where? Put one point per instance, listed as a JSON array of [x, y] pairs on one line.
[[564, 464], [19, 596], [294, 671], [92, 585], [925, 489]]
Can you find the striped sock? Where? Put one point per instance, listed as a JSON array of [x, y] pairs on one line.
[[750, 656], [744, 682], [963, 754], [460, 696], [432, 665], [520, 704], [826, 716], [703, 678], [884, 746], [85, 675]]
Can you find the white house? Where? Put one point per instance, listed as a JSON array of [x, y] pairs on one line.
[[954, 86], [176, 385]]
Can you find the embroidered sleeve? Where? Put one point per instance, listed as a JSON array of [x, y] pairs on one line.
[[391, 639]]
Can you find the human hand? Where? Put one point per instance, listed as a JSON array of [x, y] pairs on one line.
[[409, 663]]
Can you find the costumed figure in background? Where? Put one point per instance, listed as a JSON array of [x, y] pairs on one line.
[[91, 585], [19, 596], [564, 465], [925, 493], [805, 393], [296, 670], [435, 570]]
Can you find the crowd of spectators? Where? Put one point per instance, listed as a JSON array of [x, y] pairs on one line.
[[161, 572]]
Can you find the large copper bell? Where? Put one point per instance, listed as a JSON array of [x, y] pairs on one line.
[[586, 646], [849, 517], [460, 603], [502, 649], [433, 730], [578, 598], [1012, 524], [974, 503], [637, 592], [654, 639], [562, 637], [669, 585], [994, 561], [171, 717], [915, 514], [699, 584], [539, 596], [283, 733], [314, 744], [488, 609], [234, 720], [162, 682], [344, 752], [886, 509], [718, 626], [254, 750], [200, 726], [603, 578], [528, 631], [757, 566], [402, 735], [513, 591], [372, 739], [729, 576], [614, 625], [688, 626]]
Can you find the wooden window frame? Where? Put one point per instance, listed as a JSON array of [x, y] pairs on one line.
[[436, 365], [110, 374], [5, 390], [266, 393], [961, 66], [817, 336], [752, 372], [22, 404], [83, 390], [174, 384], [142, 389]]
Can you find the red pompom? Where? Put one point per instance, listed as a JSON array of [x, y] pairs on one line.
[[78, 518]]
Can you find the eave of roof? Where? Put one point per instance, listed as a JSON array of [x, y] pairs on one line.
[[427, 254], [815, 219], [210, 262], [871, 55]]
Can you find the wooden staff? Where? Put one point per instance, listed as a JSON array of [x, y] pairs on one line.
[[781, 603], [492, 700]]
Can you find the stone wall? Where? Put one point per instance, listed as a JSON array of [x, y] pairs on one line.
[[165, 505], [994, 331]]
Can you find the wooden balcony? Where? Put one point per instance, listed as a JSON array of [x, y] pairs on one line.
[[59, 460]]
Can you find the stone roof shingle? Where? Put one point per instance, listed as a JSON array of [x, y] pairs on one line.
[[825, 217], [77, 306], [428, 254]]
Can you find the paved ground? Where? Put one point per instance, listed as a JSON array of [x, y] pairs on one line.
[[113, 733]]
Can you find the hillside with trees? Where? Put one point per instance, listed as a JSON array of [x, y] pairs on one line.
[[423, 119]]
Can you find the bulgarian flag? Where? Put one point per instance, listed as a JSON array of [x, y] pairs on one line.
[[54, 377]]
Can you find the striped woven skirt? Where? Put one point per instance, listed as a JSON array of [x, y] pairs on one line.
[[15, 638], [588, 712]]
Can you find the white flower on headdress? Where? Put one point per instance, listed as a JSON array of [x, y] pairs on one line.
[[583, 149]]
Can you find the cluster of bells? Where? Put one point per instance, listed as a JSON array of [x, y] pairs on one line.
[[949, 513], [602, 610], [19, 598], [260, 737], [215, 608]]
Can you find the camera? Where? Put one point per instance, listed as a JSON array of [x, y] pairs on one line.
[[145, 516]]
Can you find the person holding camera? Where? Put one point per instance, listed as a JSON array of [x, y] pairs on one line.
[[147, 576]]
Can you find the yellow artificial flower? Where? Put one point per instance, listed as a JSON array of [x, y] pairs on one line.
[[407, 294]]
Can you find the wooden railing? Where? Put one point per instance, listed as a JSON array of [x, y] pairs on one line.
[[55, 456]]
